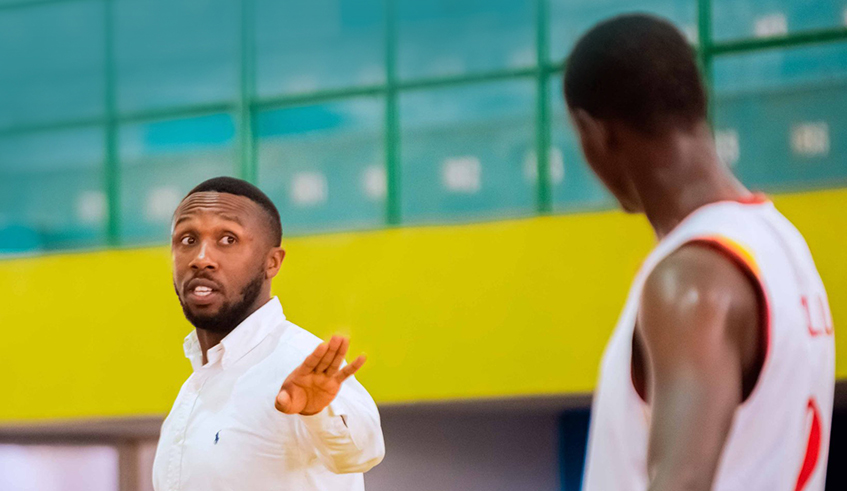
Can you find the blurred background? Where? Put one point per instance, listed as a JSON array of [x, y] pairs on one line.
[[434, 200]]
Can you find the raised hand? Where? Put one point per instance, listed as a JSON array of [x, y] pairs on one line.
[[316, 382]]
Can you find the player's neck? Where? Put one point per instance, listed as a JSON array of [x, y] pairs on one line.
[[209, 339], [681, 175]]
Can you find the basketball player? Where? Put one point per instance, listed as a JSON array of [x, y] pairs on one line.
[[720, 374], [268, 406]]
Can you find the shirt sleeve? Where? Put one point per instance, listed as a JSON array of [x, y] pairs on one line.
[[347, 434]]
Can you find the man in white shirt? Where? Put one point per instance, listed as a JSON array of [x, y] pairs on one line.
[[268, 407]]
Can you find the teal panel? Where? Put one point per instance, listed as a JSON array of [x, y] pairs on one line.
[[53, 60], [176, 52], [310, 45], [733, 19], [323, 165], [463, 87], [160, 162], [787, 141], [569, 20], [776, 70], [51, 190], [457, 37], [782, 116], [464, 152]]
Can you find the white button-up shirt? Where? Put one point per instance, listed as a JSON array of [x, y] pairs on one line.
[[223, 432]]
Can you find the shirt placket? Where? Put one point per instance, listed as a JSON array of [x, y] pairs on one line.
[[182, 415]]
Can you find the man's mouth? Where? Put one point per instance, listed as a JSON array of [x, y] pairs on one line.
[[201, 291], [202, 295]]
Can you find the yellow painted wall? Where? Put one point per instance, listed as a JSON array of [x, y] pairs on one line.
[[487, 310]]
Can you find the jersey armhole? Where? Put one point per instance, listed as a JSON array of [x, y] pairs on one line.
[[741, 257]]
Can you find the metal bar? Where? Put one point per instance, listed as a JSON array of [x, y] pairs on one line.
[[473, 78], [247, 169], [392, 119], [542, 123], [809, 88], [396, 85], [551, 68], [317, 97], [31, 3], [181, 112], [52, 126], [793, 40], [112, 163], [706, 53]]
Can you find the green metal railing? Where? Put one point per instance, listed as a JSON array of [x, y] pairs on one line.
[[248, 105], [113, 168]]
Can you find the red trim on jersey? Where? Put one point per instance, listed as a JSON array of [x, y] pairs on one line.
[[754, 199], [752, 273], [813, 448]]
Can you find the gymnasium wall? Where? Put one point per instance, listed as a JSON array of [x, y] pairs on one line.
[[435, 201], [500, 309]]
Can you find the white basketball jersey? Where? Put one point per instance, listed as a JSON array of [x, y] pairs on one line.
[[779, 438]]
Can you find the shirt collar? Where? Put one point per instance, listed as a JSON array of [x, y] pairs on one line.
[[240, 341]]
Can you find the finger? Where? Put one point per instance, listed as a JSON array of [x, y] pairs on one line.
[[283, 402], [327, 358], [339, 357], [312, 360], [352, 368]]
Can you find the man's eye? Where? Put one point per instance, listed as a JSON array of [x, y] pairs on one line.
[[187, 240], [228, 240]]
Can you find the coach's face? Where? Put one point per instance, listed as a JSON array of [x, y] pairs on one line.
[[223, 259]]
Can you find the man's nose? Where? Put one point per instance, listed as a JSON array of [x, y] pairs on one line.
[[203, 259]]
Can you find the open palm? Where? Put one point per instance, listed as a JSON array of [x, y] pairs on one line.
[[316, 382]]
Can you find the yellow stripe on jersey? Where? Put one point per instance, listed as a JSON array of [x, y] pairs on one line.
[[740, 251]]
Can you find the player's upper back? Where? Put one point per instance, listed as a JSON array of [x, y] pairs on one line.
[[779, 437]]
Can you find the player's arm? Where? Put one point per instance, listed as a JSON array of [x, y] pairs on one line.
[[699, 325], [338, 415]]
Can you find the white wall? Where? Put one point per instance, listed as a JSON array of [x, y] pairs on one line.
[[58, 468]]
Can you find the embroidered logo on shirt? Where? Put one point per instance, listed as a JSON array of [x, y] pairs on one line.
[[217, 437]]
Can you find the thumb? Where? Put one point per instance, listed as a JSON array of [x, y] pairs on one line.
[[283, 402]]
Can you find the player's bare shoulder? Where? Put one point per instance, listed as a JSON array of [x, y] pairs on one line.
[[698, 278], [699, 296]]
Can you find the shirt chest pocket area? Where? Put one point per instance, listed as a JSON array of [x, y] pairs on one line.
[[245, 440]]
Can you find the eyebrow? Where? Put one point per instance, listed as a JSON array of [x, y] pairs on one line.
[[231, 218]]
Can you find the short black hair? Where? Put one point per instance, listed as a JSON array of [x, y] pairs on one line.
[[639, 69], [238, 187]]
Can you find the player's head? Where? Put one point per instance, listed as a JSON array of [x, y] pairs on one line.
[[225, 240], [629, 82]]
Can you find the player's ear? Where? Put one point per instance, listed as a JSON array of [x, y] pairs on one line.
[[593, 134], [275, 257]]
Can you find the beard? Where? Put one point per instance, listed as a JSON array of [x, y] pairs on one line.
[[230, 314]]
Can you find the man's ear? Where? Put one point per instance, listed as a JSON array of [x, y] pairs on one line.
[[593, 133], [275, 259]]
